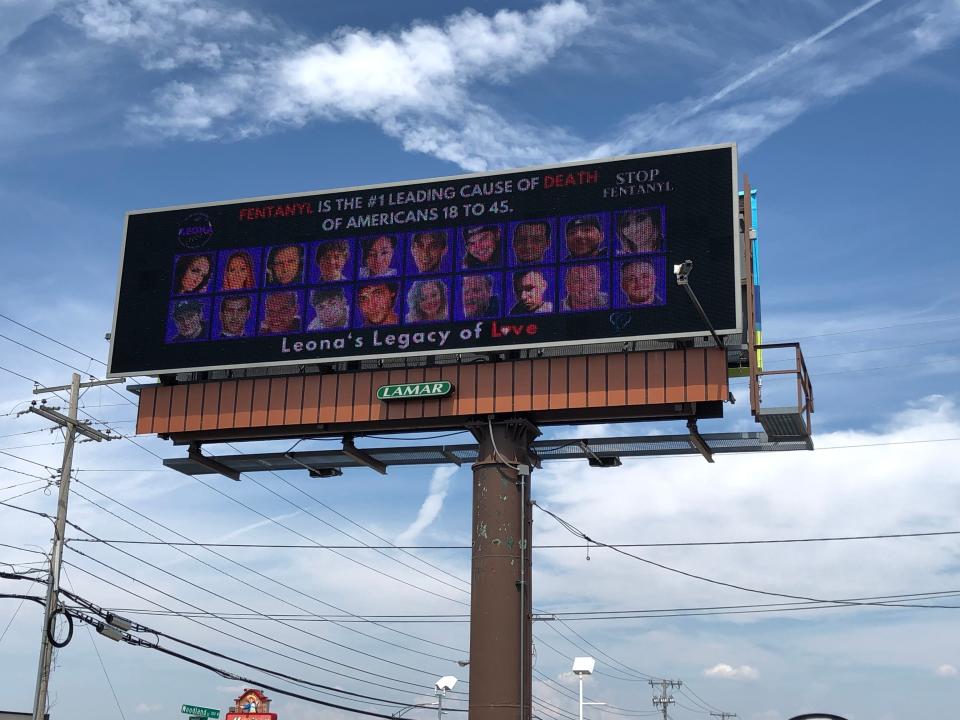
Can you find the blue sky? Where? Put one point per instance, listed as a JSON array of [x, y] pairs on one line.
[[845, 114]]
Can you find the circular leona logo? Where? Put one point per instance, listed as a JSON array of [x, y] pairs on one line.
[[195, 231]]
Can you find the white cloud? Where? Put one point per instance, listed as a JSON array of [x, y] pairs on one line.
[[165, 33], [431, 506], [413, 84], [728, 672], [221, 73], [864, 490], [947, 671], [146, 708]]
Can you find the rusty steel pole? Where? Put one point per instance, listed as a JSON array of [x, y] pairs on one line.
[[500, 597]]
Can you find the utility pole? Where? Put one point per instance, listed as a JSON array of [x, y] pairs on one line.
[[72, 427], [723, 715], [663, 701]]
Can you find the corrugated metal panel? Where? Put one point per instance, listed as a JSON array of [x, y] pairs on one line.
[[564, 383]]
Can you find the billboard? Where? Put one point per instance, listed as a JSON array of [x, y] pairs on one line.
[[559, 255]]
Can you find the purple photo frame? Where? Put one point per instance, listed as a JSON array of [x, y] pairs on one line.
[[445, 262], [548, 254], [658, 215], [469, 262], [549, 297], [568, 224], [582, 281], [182, 308], [323, 248], [182, 267], [278, 314], [249, 325], [239, 257], [638, 283], [367, 245], [410, 289], [493, 280]]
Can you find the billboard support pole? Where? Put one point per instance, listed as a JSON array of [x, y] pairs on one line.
[[749, 298], [500, 598]]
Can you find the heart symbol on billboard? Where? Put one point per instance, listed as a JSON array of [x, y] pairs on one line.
[[620, 320]]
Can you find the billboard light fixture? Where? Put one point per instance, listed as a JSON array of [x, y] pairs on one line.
[[682, 271]]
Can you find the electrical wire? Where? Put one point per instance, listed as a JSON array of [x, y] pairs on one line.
[[246, 639], [248, 608], [575, 531], [700, 543], [287, 527], [229, 675], [53, 340], [244, 567], [20, 495], [23, 599], [162, 634]]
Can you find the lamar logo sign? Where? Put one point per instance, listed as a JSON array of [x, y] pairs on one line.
[[409, 391]]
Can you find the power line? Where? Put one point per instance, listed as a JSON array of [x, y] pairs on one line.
[[162, 634], [245, 640], [692, 543], [99, 658], [871, 329], [53, 340], [25, 492], [23, 599], [126, 637], [575, 531], [241, 565], [287, 527], [250, 609], [24, 377]]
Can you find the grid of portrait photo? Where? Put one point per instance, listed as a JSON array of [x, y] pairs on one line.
[[562, 264]]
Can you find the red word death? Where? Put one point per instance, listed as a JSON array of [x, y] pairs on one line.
[[583, 177]]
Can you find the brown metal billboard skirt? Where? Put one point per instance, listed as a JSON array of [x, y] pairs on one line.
[[619, 386]]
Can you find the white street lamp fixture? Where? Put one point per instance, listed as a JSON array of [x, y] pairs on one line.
[[584, 666], [443, 685]]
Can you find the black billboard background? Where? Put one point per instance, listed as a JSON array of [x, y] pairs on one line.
[[695, 188]]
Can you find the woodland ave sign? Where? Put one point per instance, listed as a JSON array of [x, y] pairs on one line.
[[197, 711], [438, 388]]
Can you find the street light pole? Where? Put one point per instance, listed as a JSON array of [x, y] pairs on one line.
[[580, 677]]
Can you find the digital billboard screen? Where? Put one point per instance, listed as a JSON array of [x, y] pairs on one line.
[[560, 255]]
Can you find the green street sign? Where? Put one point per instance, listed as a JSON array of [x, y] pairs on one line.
[[414, 391], [195, 711]]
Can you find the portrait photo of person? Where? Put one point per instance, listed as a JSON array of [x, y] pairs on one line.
[[531, 242], [233, 316], [479, 296], [377, 303], [584, 288], [331, 311], [532, 291], [379, 257], [584, 238], [188, 321], [192, 273], [332, 261], [238, 270], [429, 252], [284, 265], [281, 313], [639, 231], [481, 246], [639, 283], [428, 301]]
